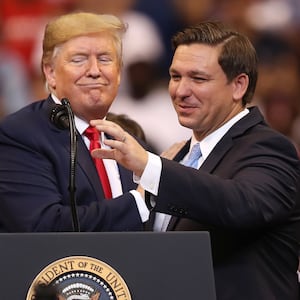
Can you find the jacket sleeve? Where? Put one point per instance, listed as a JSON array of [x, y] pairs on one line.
[[251, 186]]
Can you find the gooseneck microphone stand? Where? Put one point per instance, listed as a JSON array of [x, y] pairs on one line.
[[62, 116]]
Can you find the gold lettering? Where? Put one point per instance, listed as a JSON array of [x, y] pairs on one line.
[[113, 280], [123, 294], [116, 285], [48, 276], [57, 270], [96, 268], [67, 266]]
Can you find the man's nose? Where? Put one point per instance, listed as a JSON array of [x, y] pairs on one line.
[[183, 88], [93, 67]]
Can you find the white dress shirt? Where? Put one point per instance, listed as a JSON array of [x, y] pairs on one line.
[[151, 176]]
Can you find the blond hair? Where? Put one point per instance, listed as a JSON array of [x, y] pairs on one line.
[[66, 27]]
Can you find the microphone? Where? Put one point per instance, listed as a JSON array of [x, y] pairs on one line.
[[62, 116], [59, 116]]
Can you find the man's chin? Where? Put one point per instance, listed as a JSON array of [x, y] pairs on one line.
[[185, 122]]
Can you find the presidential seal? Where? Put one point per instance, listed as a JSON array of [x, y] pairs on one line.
[[81, 278]]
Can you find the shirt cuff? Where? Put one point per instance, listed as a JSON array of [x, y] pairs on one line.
[[141, 205], [151, 175]]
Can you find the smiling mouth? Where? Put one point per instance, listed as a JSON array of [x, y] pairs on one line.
[[185, 109], [186, 106], [93, 85]]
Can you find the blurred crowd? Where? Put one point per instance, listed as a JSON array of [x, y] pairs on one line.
[[272, 25]]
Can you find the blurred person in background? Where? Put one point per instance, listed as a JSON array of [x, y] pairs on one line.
[[278, 90], [23, 20], [23, 23], [128, 124], [172, 15], [15, 89], [273, 27], [144, 98]]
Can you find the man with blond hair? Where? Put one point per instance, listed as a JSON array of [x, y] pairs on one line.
[[81, 61]]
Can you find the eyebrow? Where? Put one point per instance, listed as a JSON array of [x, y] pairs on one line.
[[191, 72], [83, 52]]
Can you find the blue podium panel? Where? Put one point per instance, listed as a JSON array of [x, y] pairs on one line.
[[108, 266]]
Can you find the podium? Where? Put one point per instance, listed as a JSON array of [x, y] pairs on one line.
[[151, 265]]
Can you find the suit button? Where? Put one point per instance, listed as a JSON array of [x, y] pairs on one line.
[[181, 211]]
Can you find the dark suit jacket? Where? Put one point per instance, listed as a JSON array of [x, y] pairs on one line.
[[34, 180], [245, 196]]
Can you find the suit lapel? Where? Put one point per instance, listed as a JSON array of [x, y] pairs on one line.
[[183, 151], [224, 145], [253, 118], [84, 160], [209, 164], [217, 154]]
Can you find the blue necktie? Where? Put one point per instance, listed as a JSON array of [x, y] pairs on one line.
[[194, 156]]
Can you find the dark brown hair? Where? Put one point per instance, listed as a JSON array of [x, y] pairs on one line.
[[237, 53]]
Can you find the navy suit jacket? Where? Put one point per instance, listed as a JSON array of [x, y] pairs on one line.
[[245, 195], [34, 180]]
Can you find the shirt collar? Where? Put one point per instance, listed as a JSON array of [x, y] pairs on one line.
[[209, 142]]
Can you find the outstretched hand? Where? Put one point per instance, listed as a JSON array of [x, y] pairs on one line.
[[124, 148]]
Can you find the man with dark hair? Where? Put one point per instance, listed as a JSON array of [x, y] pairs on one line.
[[237, 178]]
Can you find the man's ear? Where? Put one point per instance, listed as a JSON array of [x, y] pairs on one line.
[[49, 75], [240, 85]]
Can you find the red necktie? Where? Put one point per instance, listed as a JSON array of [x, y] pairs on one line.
[[93, 135]]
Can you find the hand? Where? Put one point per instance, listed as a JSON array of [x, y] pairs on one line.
[[173, 150], [124, 148]]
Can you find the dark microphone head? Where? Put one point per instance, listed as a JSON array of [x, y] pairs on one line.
[[65, 102], [59, 116]]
